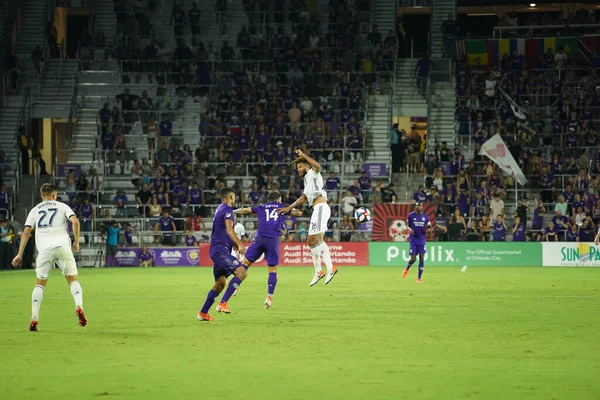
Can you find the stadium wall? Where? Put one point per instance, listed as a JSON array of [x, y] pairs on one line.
[[441, 254]]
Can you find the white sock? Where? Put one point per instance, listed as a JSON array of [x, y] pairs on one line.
[[77, 293], [326, 256], [36, 301], [316, 253]]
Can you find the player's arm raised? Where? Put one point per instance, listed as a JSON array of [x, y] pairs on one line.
[[236, 242], [76, 229], [289, 208], [243, 211], [313, 163]]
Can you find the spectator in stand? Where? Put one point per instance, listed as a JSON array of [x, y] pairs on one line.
[[573, 234], [365, 187], [355, 190], [420, 196], [349, 203], [430, 168], [518, 230], [195, 199], [120, 201], [144, 199], [128, 102], [332, 185], [376, 195], [413, 147], [346, 229], [449, 30], [422, 73], [499, 229], [178, 19], [472, 233], [86, 213], [166, 224], [485, 228], [496, 207], [388, 194], [194, 20], [546, 181], [166, 127], [549, 233], [561, 205], [6, 202], [522, 209]]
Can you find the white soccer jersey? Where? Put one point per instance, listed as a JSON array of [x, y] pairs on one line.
[[313, 186], [49, 219], [240, 230]]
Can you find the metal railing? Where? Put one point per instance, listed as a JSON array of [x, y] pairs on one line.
[[545, 30], [24, 120]]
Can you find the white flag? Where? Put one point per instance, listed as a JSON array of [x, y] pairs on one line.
[[495, 149]]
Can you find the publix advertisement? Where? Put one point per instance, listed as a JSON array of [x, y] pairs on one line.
[[460, 253], [451, 254]]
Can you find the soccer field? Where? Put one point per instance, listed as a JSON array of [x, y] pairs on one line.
[[486, 333]]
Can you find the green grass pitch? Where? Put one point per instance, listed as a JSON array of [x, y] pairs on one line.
[[486, 333]]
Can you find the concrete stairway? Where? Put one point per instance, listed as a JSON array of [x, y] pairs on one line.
[[377, 129], [31, 34], [439, 13], [407, 100], [9, 118], [56, 92], [441, 114], [384, 16], [106, 22]]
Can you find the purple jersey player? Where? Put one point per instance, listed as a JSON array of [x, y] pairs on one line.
[[222, 240], [270, 229], [417, 225]]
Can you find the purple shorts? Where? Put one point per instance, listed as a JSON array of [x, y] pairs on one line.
[[267, 246], [224, 264], [417, 249]]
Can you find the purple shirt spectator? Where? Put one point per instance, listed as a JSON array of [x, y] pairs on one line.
[[166, 223], [519, 235]]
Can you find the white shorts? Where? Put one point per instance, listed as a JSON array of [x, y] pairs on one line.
[[61, 256], [318, 220]]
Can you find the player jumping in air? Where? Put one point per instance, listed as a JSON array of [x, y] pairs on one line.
[[316, 196], [417, 225], [49, 219], [223, 239], [266, 242]]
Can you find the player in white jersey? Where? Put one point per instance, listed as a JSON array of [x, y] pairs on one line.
[[315, 194], [49, 220]]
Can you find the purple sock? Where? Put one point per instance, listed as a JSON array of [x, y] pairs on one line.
[[109, 261], [421, 268], [234, 283], [410, 263], [210, 300], [272, 282]]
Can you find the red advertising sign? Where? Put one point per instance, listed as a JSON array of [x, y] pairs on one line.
[[389, 221], [298, 254]]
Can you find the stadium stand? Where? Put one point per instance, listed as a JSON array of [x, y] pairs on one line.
[[223, 102], [196, 96]]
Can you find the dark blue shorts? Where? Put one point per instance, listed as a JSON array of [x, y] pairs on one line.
[[224, 264], [267, 246], [417, 249]]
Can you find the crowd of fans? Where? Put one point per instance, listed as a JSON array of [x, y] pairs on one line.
[[556, 146], [259, 97]]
